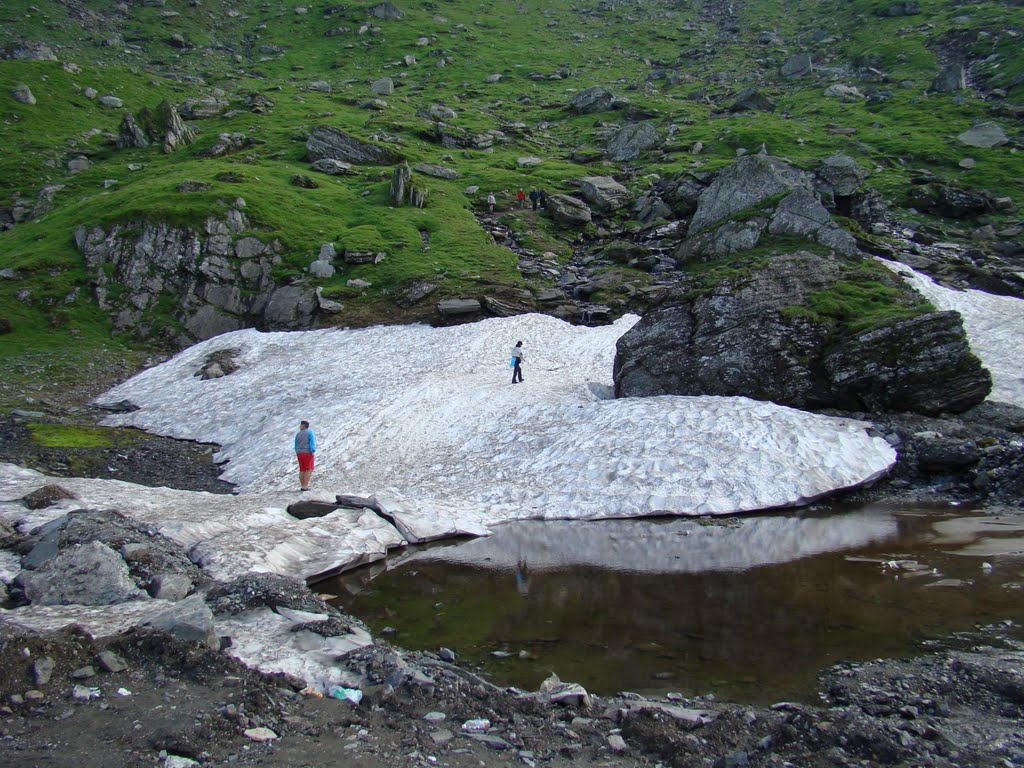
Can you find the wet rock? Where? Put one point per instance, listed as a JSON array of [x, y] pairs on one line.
[[736, 340]]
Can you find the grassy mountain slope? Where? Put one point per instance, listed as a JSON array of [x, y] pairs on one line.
[[679, 63]]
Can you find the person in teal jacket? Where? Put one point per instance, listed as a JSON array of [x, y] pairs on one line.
[[305, 448]]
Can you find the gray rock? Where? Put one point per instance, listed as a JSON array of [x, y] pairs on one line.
[[387, 11], [740, 337], [496, 77], [327, 252], [441, 112], [458, 307], [170, 586], [385, 86], [800, 214], [725, 240], [23, 94], [334, 167], [90, 93], [402, 191], [189, 619], [751, 99], [130, 134], [591, 100], [983, 136], [604, 193], [78, 164], [437, 171], [923, 365], [742, 185], [321, 86], [42, 671], [290, 307], [327, 305], [568, 210], [164, 126], [111, 101], [111, 662], [330, 143], [950, 79], [842, 174], [203, 108], [321, 269], [844, 92], [84, 574], [32, 52], [632, 139], [797, 65]]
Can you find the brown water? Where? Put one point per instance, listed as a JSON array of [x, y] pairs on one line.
[[746, 609]]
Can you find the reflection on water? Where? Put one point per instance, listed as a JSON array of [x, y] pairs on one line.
[[748, 609]]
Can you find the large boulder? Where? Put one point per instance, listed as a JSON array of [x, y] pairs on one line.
[[164, 126], [629, 141], [604, 193], [742, 185], [593, 100], [841, 175], [83, 574], [760, 335], [797, 65], [130, 134], [922, 364], [751, 99], [330, 143], [800, 214], [568, 210], [983, 136], [290, 307], [950, 79]]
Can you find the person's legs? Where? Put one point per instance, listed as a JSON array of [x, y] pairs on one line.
[[305, 469]]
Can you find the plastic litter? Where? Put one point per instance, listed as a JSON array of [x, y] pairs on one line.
[[476, 725], [346, 694]]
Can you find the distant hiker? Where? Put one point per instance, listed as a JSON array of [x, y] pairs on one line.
[[521, 197], [543, 197], [305, 447], [534, 197], [491, 201], [517, 362]]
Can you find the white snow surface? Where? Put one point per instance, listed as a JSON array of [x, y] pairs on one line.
[[427, 421], [994, 326]]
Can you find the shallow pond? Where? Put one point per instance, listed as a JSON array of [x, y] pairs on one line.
[[749, 609]]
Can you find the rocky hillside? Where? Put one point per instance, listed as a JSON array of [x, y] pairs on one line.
[[178, 168]]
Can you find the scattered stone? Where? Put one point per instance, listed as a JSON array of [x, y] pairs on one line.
[[334, 168], [111, 662], [950, 79], [796, 66], [437, 171], [632, 139], [751, 99], [458, 307], [568, 210], [383, 87], [617, 743], [42, 671], [983, 136], [48, 495], [111, 101], [23, 94], [260, 734], [83, 673], [304, 182], [604, 193]]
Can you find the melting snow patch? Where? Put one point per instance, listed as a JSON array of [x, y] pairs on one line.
[[427, 421]]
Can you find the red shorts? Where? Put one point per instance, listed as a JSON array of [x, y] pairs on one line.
[[305, 461]]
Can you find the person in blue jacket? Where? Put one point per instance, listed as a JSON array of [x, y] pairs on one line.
[[305, 448]]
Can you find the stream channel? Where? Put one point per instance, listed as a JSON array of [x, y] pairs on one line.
[[746, 609]]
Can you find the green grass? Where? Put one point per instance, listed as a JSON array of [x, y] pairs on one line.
[[65, 436], [614, 46]]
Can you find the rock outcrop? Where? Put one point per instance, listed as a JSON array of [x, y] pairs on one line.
[[330, 143], [759, 336], [218, 279]]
